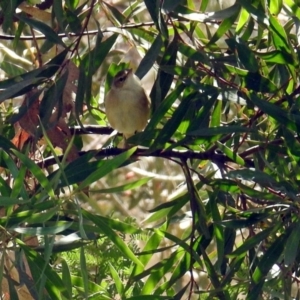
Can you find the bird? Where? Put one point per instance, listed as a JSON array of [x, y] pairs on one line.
[[127, 105]]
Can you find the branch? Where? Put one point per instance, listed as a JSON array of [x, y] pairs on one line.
[[71, 34], [91, 129], [217, 158]]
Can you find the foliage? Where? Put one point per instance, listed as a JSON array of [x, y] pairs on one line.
[[225, 115]]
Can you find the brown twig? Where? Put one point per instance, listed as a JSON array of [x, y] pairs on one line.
[[216, 158], [90, 32]]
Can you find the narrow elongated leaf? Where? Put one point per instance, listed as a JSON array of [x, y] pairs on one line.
[[292, 245], [66, 278], [51, 97], [84, 273], [117, 280], [164, 80], [163, 108], [279, 35], [231, 154], [38, 267], [149, 59], [171, 126], [181, 268], [266, 262], [154, 9], [51, 230], [113, 236], [211, 131], [191, 53], [8, 201], [246, 56], [50, 34], [45, 71], [225, 25], [125, 187], [106, 167], [20, 88], [36, 171], [253, 241]]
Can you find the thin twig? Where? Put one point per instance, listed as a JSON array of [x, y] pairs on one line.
[[71, 34], [216, 158]]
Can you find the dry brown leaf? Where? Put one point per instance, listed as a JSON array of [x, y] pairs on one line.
[[21, 136], [60, 135], [35, 12], [70, 87], [30, 119], [61, 139], [22, 280]]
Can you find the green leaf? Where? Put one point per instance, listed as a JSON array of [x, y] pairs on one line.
[[244, 222], [221, 130], [8, 10], [276, 56], [59, 15], [21, 84], [6, 144], [20, 88], [11, 69], [166, 210], [106, 229], [164, 80], [5, 190], [218, 229], [117, 280], [181, 268], [225, 185], [83, 271], [125, 187], [104, 168], [149, 59], [258, 83], [226, 24], [39, 267], [8, 201], [66, 278], [279, 36], [246, 56], [51, 97], [257, 14], [253, 241], [119, 17], [50, 34], [153, 7], [270, 257], [46, 71], [230, 153], [147, 253], [48, 230], [149, 297], [196, 55], [170, 5], [171, 126], [292, 245], [275, 6], [244, 17], [36, 171], [163, 108], [73, 21], [274, 111], [94, 59]]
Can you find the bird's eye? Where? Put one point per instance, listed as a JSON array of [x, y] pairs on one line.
[[121, 79]]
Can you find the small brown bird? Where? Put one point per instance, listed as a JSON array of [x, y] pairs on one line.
[[127, 105]]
